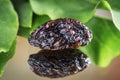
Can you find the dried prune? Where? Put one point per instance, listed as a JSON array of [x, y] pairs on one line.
[[60, 63], [60, 34]]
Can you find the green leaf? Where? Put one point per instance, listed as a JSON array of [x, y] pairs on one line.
[[37, 21], [4, 57], [8, 25], [114, 7], [24, 11], [106, 41], [82, 10], [2, 67]]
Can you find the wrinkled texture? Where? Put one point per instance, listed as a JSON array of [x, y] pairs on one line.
[[60, 34], [60, 63]]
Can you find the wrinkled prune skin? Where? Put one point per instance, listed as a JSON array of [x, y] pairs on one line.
[[60, 34], [60, 63]]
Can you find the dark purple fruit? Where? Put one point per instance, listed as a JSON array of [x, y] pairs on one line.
[[60, 34], [58, 63]]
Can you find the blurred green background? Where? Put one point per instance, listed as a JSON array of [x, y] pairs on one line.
[[21, 17]]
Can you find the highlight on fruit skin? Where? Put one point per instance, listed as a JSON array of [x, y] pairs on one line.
[[59, 34], [58, 63]]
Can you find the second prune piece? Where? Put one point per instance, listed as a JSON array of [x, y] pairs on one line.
[[61, 34], [60, 63]]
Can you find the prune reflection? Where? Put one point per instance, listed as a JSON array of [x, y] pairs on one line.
[[60, 63]]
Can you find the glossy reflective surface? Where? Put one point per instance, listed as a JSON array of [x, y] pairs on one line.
[[18, 68], [58, 63]]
